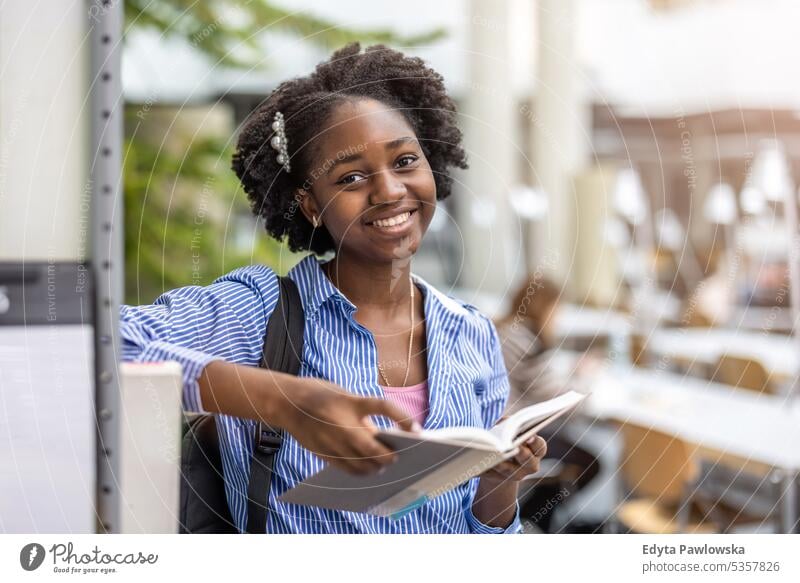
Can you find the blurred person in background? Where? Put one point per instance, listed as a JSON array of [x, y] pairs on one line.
[[537, 373], [711, 301]]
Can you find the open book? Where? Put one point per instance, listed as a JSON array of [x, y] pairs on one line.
[[429, 463]]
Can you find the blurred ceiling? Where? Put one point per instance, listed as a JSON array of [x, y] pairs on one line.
[[645, 57]]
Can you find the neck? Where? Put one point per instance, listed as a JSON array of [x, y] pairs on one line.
[[384, 286]]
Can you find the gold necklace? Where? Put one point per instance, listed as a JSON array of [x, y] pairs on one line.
[[410, 335], [410, 342]]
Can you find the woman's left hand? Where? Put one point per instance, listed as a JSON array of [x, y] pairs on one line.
[[524, 463]]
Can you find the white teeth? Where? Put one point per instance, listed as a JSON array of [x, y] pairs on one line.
[[390, 222]]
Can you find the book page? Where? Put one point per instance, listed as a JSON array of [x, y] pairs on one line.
[[526, 421], [503, 437], [466, 436], [470, 436]]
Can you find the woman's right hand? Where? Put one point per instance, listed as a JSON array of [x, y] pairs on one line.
[[324, 418], [335, 424]]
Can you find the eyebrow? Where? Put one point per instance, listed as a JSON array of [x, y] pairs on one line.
[[390, 145], [399, 142], [343, 160]]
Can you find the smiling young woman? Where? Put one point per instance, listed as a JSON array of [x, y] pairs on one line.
[[350, 160]]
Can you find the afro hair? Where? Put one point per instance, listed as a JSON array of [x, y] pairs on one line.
[[386, 75]]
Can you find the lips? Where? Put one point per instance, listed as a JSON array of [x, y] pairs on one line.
[[393, 219], [399, 225]]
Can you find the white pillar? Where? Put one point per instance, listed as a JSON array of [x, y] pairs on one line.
[[560, 132], [595, 271], [487, 118], [44, 196]]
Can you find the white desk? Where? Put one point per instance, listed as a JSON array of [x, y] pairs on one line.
[[584, 322], [777, 353], [749, 428], [759, 318], [576, 320]]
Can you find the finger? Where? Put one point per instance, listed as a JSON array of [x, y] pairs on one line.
[[368, 447], [532, 466], [350, 460], [352, 466], [373, 406], [522, 464], [339, 451], [495, 475], [505, 469], [505, 466], [524, 455], [363, 444], [538, 446]]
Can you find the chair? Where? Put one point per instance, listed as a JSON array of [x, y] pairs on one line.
[[694, 319], [747, 374], [660, 472], [743, 373], [735, 493], [640, 355], [552, 472], [669, 489], [557, 479]]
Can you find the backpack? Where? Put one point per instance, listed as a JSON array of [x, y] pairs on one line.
[[203, 504]]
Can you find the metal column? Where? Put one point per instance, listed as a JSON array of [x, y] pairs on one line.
[[105, 28]]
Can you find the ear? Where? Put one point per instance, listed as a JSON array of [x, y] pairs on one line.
[[308, 206]]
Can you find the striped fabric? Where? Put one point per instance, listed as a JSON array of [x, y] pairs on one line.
[[412, 399], [467, 381]]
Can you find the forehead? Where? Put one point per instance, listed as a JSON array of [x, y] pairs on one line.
[[361, 124]]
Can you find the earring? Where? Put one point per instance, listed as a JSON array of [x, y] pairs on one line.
[[315, 221]]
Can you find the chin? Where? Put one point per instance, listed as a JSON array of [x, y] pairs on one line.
[[387, 253]]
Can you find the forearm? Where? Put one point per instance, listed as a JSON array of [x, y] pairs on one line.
[[228, 388], [495, 502]]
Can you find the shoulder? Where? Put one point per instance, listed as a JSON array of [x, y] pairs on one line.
[[254, 279], [447, 304], [479, 352], [242, 290], [476, 326], [240, 285], [479, 323], [482, 332], [257, 277], [229, 311]]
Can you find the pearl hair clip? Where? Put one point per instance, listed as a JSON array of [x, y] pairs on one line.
[[278, 141]]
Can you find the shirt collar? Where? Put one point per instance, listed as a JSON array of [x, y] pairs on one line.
[[316, 289], [314, 286]]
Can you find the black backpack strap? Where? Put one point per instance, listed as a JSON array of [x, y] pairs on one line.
[[283, 351]]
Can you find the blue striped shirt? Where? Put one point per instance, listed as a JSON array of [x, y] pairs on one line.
[[467, 380]]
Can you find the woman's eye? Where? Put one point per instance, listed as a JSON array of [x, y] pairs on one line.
[[350, 179], [406, 160]]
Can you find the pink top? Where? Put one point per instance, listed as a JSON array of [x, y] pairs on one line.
[[413, 399]]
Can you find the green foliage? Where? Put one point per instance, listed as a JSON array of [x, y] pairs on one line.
[[228, 31], [185, 217]]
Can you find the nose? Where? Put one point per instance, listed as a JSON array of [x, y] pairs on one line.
[[386, 188]]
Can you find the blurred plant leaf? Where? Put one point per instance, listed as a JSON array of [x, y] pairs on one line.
[[186, 219], [228, 31]]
